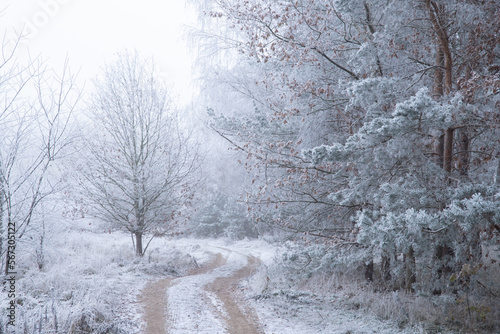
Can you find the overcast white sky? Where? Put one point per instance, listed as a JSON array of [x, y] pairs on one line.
[[89, 32]]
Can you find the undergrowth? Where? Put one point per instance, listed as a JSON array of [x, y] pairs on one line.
[[88, 284], [462, 310]]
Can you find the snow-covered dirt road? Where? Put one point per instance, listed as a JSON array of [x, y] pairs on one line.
[[207, 300], [230, 293]]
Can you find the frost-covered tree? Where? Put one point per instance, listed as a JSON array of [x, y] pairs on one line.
[[221, 215], [418, 164], [401, 100], [296, 53], [36, 108], [142, 165], [407, 202]]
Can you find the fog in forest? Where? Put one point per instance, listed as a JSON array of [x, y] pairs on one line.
[[250, 166]]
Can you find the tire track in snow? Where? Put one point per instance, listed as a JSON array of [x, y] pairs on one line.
[[240, 318], [204, 301], [154, 298], [187, 308]]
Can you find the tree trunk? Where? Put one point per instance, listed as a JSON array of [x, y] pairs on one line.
[[386, 268], [475, 249], [438, 74], [444, 58], [448, 149], [464, 152], [139, 216], [40, 253], [443, 255], [439, 149], [497, 174], [410, 266], [443, 84], [138, 244], [437, 94], [369, 271]]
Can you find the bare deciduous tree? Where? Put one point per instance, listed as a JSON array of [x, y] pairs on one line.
[[37, 105], [142, 165]]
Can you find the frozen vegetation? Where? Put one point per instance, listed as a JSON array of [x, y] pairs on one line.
[[339, 172], [92, 283]]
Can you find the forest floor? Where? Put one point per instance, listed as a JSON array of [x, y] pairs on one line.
[[228, 292]]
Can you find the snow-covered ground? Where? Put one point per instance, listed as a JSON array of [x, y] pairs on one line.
[[188, 310], [192, 307], [291, 312], [94, 281]]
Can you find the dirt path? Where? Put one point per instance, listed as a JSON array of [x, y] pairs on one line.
[[197, 312], [154, 299], [240, 318]]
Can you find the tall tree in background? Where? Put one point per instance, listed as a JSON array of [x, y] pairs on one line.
[[142, 165]]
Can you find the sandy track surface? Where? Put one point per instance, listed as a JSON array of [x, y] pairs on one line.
[[240, 318], [154, 299], [207, 300]]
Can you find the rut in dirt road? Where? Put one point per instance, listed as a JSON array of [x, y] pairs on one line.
[[240, 318], [154, 298], [155, 305]]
